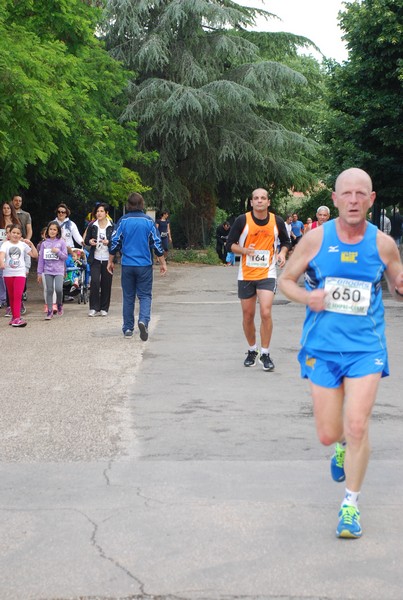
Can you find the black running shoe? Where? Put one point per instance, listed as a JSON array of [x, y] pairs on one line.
[[267, 363], [251, 358]]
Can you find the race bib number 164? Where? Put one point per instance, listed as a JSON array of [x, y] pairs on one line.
[[259, 259]]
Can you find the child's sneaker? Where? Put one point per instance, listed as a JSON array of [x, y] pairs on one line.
[[18, 323], [60, 309], [23, 309], [49, 315], [8, 312]]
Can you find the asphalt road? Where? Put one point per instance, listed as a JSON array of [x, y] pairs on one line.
[[167, 470]]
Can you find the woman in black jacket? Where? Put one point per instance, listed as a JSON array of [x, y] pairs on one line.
[[97, 237]]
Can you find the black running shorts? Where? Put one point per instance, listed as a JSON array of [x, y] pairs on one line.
[[248, 289]]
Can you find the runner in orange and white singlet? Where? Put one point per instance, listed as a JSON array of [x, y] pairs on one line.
[[256, 236]]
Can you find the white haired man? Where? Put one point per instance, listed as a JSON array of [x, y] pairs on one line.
[[322, 215]]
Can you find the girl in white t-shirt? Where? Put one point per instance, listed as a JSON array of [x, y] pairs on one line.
[[12, 260]]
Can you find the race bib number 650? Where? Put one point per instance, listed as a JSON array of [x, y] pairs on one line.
[[347, 296]]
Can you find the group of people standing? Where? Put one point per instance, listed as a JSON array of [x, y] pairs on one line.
[[61, 237], [133, 238]]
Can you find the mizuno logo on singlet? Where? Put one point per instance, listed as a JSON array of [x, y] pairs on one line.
[[379, 362], [333, 249]]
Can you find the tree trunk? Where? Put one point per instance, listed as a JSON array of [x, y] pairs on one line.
[[198, 217]]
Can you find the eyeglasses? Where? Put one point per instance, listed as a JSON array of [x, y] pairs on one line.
[[62, 212]]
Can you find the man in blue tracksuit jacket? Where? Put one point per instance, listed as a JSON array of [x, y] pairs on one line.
[[136, 236]]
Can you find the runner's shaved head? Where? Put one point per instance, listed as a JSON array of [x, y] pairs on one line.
[[259, 191], [354, 173]]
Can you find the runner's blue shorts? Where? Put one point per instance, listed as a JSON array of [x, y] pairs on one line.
[[328, 369]]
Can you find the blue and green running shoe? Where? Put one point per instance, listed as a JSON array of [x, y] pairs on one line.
[[337, 463], [349, 522]]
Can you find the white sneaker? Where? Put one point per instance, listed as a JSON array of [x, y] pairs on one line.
[[104, 313], [92, 313]]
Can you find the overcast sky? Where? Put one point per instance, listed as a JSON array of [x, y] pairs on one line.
[[314, 19]]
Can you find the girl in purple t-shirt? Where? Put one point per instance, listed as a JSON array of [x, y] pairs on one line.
[[51, 263]]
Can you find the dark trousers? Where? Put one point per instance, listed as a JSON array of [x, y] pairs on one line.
[[220, 249], [101, 286]]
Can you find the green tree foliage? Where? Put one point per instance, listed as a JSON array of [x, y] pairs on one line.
[[196, 97], [365, 124], [299, 108], [121, 189], [60, 99]]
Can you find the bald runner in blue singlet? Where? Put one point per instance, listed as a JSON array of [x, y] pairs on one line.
[[349, 335], [343, 350]]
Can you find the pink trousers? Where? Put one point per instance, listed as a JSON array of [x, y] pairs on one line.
[[15, 288]]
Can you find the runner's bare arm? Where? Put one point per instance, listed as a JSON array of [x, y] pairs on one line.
[[389, 253], [297, 264], [237, 249]]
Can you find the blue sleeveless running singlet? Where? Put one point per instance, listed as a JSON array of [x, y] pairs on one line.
[[351, 273]]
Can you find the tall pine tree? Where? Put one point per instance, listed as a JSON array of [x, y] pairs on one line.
[[196, 96]]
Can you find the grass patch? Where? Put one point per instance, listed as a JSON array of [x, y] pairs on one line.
[[203, 256]]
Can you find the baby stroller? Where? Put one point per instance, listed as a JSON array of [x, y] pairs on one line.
[[75, 284]]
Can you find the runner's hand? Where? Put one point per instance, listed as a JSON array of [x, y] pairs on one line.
[[317, 300]]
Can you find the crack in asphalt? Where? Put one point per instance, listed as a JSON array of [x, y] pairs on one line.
[[108, 469], [104, 555]]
